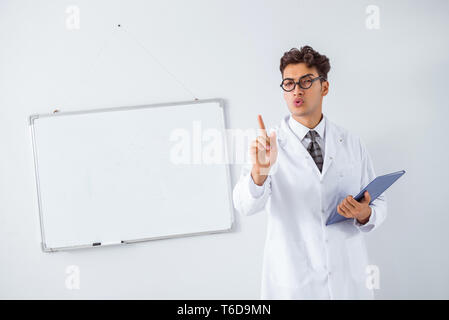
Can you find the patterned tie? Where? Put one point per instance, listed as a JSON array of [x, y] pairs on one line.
[[314, 149]]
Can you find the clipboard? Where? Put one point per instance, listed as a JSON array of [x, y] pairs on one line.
[[375, 189]]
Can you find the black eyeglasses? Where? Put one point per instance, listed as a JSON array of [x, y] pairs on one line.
[[305, 82]]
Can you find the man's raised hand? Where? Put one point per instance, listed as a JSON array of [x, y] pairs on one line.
[[263, 152]]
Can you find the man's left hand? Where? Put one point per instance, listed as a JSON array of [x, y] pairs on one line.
[[351, 208]]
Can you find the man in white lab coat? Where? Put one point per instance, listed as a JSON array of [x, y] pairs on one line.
[[299, 173]]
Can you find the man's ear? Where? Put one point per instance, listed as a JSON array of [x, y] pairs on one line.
[[324, 88]]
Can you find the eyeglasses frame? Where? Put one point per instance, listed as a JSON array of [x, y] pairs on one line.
[[299, 80]]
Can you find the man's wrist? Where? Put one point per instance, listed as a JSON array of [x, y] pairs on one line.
[[258, 178], [364, 221]]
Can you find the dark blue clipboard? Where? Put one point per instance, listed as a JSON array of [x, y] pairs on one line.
[[375, 189]]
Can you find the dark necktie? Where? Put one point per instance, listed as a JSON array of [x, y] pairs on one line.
[[314, 149]]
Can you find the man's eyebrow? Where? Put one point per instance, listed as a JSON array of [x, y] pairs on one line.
[[309, 74]]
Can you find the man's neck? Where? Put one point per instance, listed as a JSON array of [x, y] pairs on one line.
[[309, 122]]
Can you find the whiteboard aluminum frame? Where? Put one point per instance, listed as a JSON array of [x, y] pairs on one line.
[[33, 117]]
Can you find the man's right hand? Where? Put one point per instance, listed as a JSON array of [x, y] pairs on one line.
[[263, 152]]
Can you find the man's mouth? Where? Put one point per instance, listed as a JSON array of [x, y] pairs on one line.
[[298, 102]]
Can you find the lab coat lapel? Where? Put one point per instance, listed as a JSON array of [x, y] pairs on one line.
[[288, 140], [332, 140]]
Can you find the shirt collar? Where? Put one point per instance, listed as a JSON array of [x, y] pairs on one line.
[[301, 130]]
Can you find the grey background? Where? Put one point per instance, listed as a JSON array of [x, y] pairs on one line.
[[387, 86]]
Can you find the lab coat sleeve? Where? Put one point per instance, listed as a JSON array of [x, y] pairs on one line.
[[378, 206], [255, 190], [248, 197]]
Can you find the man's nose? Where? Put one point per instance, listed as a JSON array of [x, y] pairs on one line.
[[298, 91]]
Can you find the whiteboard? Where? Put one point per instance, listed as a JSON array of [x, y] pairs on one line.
[[114, 176]]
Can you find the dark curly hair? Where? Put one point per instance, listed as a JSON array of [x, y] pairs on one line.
[[308, 56]]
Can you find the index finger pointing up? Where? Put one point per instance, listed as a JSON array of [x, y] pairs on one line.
[[264, 131], [261, 124]]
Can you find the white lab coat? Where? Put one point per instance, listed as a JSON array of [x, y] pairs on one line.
[[304, 258]]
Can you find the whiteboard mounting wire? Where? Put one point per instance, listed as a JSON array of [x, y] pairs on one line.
[[156, 60]]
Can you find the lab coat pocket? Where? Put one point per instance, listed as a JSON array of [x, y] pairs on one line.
[[289, 263]]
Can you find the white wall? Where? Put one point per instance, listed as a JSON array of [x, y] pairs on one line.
[[387, 85]]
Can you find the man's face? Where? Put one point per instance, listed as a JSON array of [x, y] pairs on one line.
[[304, 102]]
